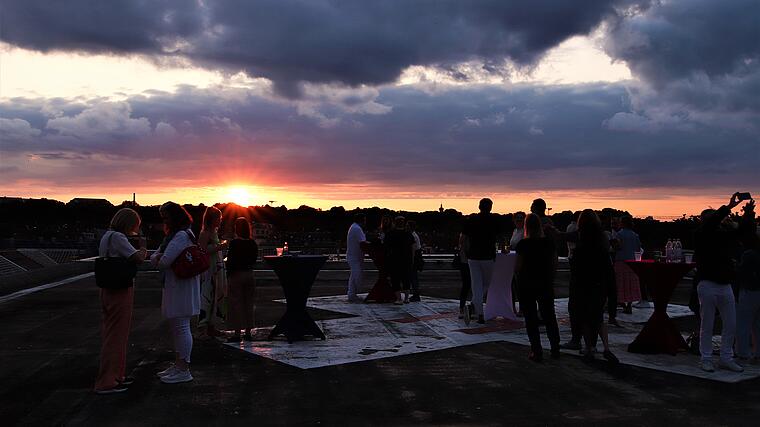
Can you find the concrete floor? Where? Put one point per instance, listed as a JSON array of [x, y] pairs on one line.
[[49, 356]]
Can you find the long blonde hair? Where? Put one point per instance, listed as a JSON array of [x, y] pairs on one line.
[[125, 220]]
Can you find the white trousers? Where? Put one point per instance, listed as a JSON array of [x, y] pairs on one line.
[[481, 271], [711, 296], [355, 279], [183, 338]]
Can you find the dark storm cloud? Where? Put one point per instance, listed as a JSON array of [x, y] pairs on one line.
[[521, 139], [697, 60], [290, 41], [121, 26]]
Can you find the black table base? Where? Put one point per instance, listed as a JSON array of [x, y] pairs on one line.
[[297, 274], [295, 325]]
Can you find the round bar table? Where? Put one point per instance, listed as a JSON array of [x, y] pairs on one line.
[[296, 274], [660, 334]]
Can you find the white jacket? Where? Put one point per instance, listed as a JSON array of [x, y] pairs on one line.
[[181, 297]]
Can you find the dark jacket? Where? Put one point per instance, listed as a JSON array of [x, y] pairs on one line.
[[716, 248], [242, 255]]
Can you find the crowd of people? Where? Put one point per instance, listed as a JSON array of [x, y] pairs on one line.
[[727, 256], [184, 297]]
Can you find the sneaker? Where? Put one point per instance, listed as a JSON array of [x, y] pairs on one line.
[[643, 304], [118, 388], [177, 377], [168, 371], [399, 302], [353, 299], [126, 381], [571, 345], [461, 312], [415, 298], [467, 315], [730, 365], [613, 322], [707, 366]]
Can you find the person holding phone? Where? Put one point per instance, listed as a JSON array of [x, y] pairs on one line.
[[716, 248], [116, 304]]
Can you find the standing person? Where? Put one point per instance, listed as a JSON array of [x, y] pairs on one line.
[[212, 290], [181, 298], [591, 272], [571, 229], [399, 251], [241, 258], [417, 264], [482, 231], [714, 254], [517, 234], [460, 261], [628, 243], [536, 265], [355, 256], [538, 207], [116, 304], [748, 310]]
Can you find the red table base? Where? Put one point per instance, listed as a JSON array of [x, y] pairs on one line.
[[660, 334], [382, 292]]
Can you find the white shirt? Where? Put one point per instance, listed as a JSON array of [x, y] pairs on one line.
[[417, 244], [517, 235], [353, 243], [181, 297], [115, 244]]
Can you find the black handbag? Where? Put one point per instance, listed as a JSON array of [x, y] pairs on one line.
[[114, 272]]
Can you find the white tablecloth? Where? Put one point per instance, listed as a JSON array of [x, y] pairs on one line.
[[499, 301]]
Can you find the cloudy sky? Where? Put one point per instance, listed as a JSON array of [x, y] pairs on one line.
[[650, 106]]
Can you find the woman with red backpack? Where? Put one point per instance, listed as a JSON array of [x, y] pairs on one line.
[[181, 294]]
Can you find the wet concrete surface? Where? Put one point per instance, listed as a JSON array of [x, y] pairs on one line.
[[49, 356]]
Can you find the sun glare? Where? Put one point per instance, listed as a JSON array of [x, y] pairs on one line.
[[239, 195]]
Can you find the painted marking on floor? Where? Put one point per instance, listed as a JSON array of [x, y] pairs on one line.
[[432, 325], [25, 292]]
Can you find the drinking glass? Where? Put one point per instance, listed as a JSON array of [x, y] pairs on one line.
[[279, 251], [637, 255]]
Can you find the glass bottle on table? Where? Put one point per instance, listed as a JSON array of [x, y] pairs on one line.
[[285, 250], [669, 251]]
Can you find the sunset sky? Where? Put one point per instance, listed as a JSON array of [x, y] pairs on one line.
[[648, 106]]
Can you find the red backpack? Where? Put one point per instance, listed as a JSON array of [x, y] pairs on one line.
[[192, 261]]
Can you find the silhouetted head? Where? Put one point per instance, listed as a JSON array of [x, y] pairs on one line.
[[242, 228], [590, 230], [519, 219], [485, 205], [411, 225], [360, 219], [175, 217], [126, 221], [626, 222], [707, 213], [533, 226], [385, 223], [212, 218], [399, 222], [538, 207]]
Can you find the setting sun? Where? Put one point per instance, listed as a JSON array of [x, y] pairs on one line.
[[239, 195]]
